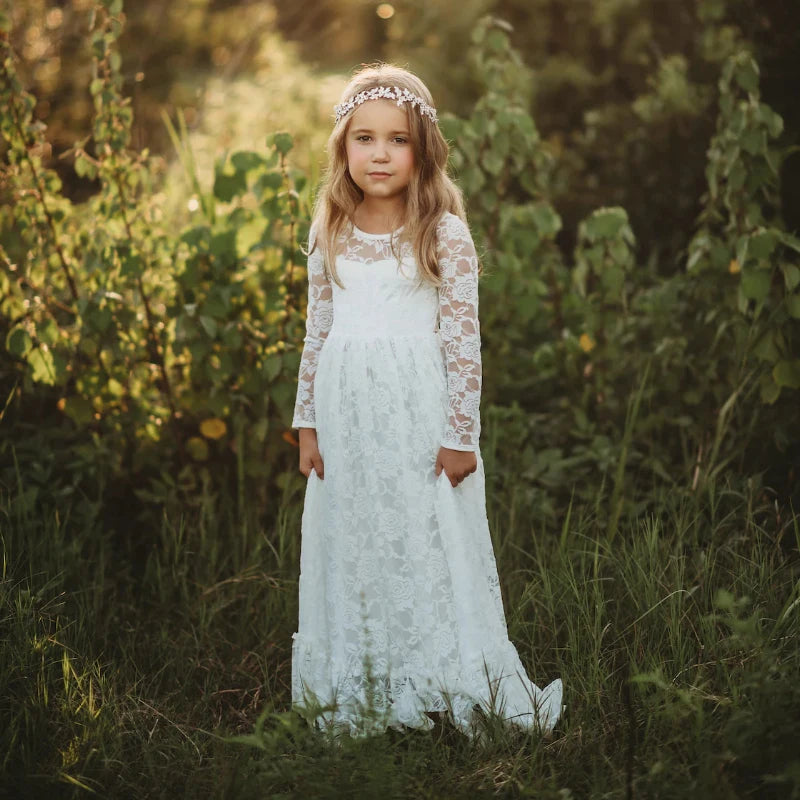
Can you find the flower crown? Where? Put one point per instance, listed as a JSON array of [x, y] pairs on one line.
[[389, 93]]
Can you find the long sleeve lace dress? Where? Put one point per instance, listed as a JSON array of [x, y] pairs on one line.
[[400, 609]]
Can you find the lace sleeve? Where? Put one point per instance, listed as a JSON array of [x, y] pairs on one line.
[[460, 333], [319, 318]]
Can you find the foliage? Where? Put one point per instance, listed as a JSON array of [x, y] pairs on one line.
[[622, 92], [175, 352], [677, 644], [740, 233], [167, 51], [146, 597], [169, 350], [603, 362]]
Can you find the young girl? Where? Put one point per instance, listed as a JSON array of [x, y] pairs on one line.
[[400, 606]]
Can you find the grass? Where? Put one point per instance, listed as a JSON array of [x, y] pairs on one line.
[[157, 664]]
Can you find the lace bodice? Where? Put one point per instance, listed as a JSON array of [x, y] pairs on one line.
[[391, 300]]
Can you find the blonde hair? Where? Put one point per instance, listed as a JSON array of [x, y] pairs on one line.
[[430, 193]]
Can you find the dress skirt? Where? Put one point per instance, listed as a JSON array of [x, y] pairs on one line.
[[400, 610]]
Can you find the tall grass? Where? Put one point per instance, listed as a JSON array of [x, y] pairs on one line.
[[162, 669]]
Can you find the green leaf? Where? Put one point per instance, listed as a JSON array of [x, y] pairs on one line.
[[18, 342], [762, 244], [754, 142], [232, 336], [793, 305], [755, 284], [272, 366], [84, 168], [766, 349], [199, 350], [229, 185], [282, 142], [747, 75], [492, 162], [268, 180], [246, 160], [791, 276], [42, 366], [97, 319], [282, 395], [250, 234], [547, 221], [197, 448], [604, 223], [771, 119], [787, 373], [209, 326], [720, 255], [223, 245], [737, 175], [132, 264], [790, 241], [472, 180], [216, 305], [612, 280], [79, 409]]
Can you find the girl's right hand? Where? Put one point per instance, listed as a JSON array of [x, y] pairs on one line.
[[309, 453]]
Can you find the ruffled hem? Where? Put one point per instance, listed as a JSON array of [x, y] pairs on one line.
[[366, 704]]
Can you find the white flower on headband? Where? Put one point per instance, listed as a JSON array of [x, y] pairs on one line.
[[389, 93]]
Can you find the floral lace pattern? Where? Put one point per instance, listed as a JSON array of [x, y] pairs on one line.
[[400, 609], [318, 324], [460, 332], [456, 310]]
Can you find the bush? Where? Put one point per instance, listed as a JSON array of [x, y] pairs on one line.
[[174, 353], [612, 371]]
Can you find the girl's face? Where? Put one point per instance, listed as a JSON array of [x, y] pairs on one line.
[[380, 157]]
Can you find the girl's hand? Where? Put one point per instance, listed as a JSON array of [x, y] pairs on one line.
[[309, 453], [457, 464]]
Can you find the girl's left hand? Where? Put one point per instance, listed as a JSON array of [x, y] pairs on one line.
[[457, 464]]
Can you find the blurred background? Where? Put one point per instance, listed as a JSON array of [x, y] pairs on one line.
[[621, 89], [631, 170]]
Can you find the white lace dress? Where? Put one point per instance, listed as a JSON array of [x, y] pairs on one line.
[[400, 607]]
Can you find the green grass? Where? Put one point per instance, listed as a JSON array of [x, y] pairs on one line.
[[129, 665]]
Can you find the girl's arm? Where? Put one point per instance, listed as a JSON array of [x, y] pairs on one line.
[[460, 333], [319, 318]]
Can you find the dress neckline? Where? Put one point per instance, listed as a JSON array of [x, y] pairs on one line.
[[366, 235]]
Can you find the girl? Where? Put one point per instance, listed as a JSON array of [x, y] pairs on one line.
[[400, 608]]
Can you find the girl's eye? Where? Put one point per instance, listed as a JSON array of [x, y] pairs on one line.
[[365, 137]]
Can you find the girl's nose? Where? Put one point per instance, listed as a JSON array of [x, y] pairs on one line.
[[380, 153]]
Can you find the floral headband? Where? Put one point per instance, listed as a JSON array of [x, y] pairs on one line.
[[390, 93]]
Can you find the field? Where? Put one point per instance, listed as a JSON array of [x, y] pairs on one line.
[[640, 320], [163, 671]]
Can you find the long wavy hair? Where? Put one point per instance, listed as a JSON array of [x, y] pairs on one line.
[[430, 193]]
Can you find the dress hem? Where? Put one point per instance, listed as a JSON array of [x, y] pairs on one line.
[[402, 698]]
